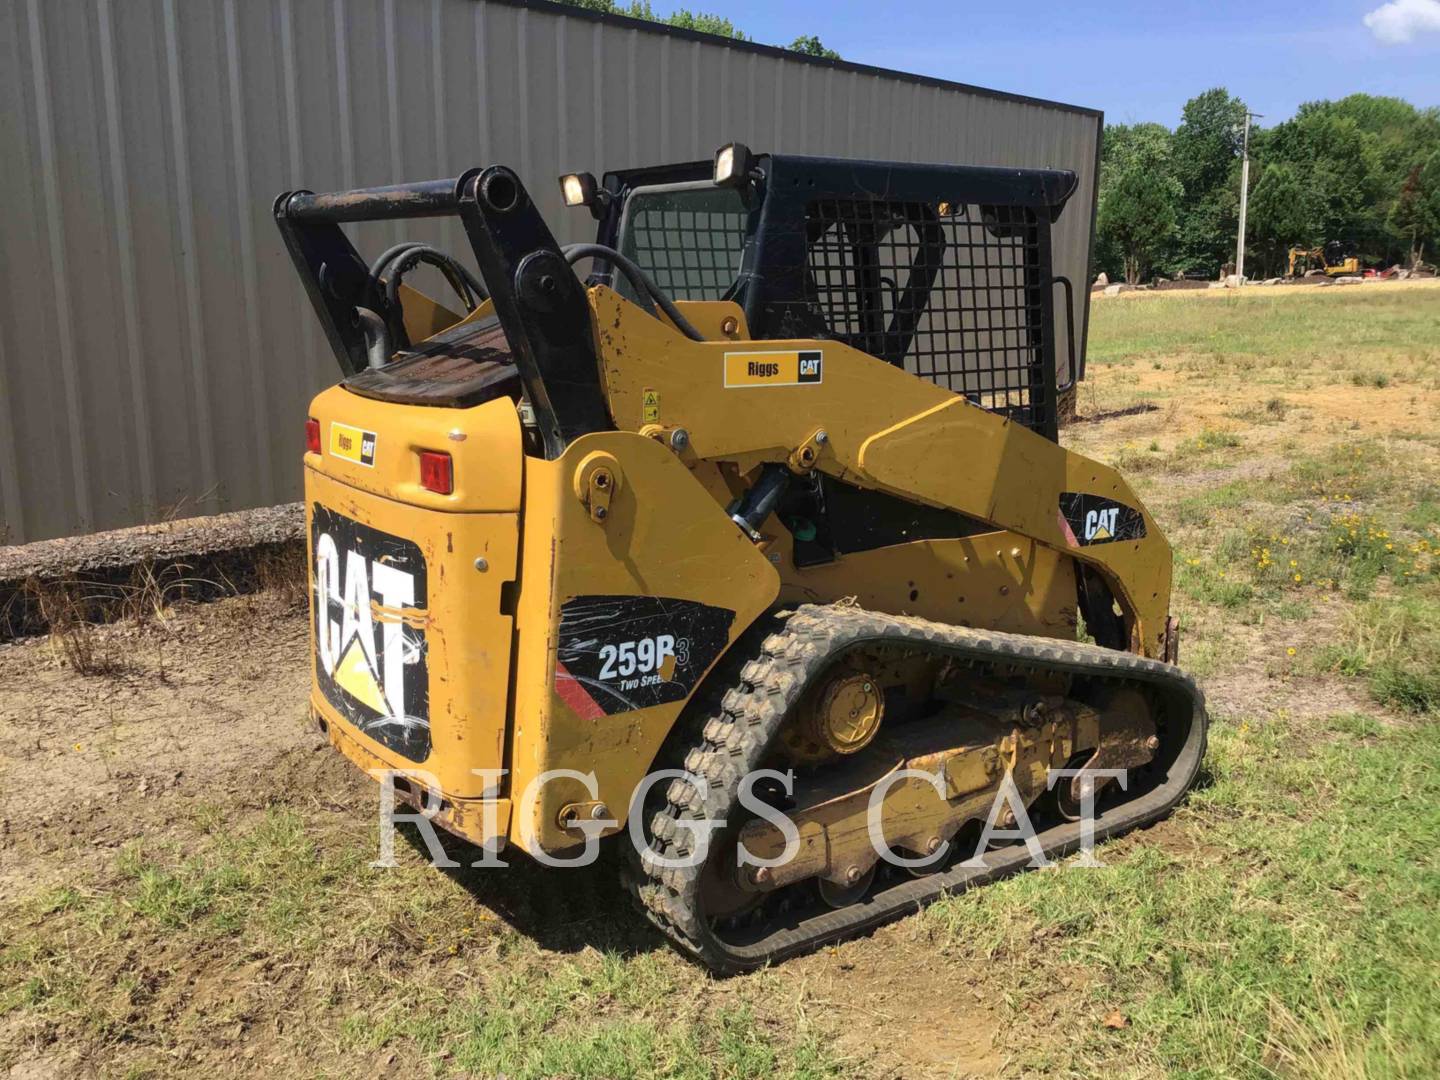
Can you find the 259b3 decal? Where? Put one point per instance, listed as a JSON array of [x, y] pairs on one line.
[[644, 659], [621, 653]]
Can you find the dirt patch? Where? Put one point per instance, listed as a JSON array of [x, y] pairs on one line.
[[1247, 692], [207, 709], [197, 705], [1275, 673], [905, 1019], [1179, 405]]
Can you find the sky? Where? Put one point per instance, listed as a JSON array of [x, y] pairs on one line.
[[1138, 60]]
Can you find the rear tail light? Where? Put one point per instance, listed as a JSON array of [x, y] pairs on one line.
[[312, 435], [436, 472]]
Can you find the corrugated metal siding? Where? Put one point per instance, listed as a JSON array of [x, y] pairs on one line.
[[156, 351]]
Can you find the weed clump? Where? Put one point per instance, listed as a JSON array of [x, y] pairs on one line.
[[1210, 439], [1377, 379], [66, 609], [1395, 645]]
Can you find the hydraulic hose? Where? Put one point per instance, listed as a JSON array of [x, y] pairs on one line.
[[465, 284], [410, 258], [377, 268], [644, 285]]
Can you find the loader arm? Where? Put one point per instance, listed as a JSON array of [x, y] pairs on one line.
[[887, 430]]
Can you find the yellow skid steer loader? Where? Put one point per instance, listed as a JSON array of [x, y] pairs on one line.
[[756, 545]]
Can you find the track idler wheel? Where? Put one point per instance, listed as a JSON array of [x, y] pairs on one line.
[[847, 714]]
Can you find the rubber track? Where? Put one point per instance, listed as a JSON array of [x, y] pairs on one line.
[[736, 737]]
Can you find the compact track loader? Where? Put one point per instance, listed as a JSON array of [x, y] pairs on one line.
[[756, 545]]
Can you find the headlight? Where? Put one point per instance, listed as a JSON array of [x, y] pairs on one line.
[[733, 165], [724, 164], [578, 189]]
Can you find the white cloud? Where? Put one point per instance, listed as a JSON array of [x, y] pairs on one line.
[[1399, 21]]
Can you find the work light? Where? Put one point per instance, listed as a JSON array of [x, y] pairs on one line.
[[580, 189], [733, 165]]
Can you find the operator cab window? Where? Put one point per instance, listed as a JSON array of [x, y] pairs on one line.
[[947, 291], [688, 237]]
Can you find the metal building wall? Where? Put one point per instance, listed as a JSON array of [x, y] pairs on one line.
[[156, 352]]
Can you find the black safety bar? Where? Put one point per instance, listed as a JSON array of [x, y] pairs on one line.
[[538, 300], [426, 198]]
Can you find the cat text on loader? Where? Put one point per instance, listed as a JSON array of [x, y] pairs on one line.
[[756, 545]]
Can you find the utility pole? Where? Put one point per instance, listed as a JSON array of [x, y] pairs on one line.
[[1244, 197]]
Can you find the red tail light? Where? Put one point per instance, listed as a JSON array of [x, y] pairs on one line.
[[436, 472], [312, 435]]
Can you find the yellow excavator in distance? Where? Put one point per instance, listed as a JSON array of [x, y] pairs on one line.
[[1337, 259]]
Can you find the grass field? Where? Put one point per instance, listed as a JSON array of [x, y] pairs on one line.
[[185, 883]]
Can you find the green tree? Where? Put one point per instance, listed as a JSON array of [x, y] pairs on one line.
[[1281, 215], [1342, 167], [811, 45], [1377, 115], [702, 21], [1208, 141], [1139, 198], [1392, 128], [705, 23], [1206, 161], [684, 18], [1415, 214]]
